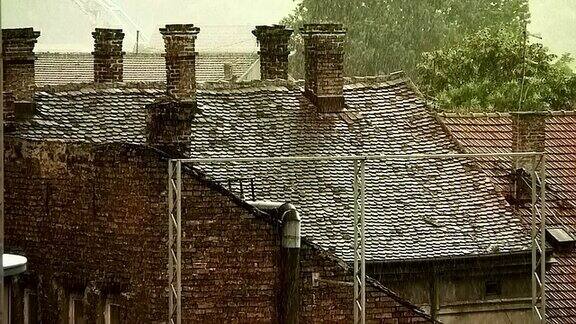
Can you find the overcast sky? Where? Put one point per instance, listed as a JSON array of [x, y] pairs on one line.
[[65, 27]]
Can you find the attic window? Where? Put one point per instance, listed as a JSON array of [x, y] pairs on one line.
[[559, 236], [492, 288]]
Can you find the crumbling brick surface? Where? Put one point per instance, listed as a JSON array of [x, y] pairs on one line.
[[274, 51], [18, 61], [108, 55], [92, 221]]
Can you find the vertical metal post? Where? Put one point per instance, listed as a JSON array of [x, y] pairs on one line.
[[533, 238], [359, 187], [179, 242], [1, 173], [543, 236], [538, 240], [174, 242]]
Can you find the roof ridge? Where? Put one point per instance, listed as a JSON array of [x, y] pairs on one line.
[[505, 114], [53, 88], [472, 114]]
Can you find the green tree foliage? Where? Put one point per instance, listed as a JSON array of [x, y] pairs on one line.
[[390, 35], [484, 73]]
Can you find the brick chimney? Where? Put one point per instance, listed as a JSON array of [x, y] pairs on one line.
[[108, 55], [528, 135], [324, 65], [274, 51], [180, 60], [529, 130], [169, 125], [18, 62], [169, 120]]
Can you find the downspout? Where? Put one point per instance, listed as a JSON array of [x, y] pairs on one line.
[[290, 258]]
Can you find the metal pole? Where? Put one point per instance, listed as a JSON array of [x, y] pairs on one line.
[[356, 188], [171, 189], [361, 157], [175, 241], [533, 238], [359, 187], [179, 242], [543, 236], [1, 172], [363, 242]]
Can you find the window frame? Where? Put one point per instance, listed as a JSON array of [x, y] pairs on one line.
[[107, 309], [27, 294], [71, 302]]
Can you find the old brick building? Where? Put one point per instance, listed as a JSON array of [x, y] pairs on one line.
[[86, 203]]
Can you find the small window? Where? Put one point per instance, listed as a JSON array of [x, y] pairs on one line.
[[112, 313], [493, 288], [30, 307], [77, 310]]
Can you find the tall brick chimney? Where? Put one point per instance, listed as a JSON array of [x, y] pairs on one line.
[[529, 130], [169, 121], [274, 51], [324, 65], [108, 55], [180, 60], [18, 62], [528, 135]]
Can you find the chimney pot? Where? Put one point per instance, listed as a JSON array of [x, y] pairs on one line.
[[324, 65], [18, 61], [274, 51], [179, 41], [108, 55]]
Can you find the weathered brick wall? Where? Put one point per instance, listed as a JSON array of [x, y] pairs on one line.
[[331, 301], [92, 220]]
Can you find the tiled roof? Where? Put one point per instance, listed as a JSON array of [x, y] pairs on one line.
[[62, 68], [417, 209], [493, 133]]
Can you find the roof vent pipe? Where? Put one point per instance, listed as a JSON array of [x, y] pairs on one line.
[[290, 257]]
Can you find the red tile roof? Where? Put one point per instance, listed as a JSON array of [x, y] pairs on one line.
[[493, 133]]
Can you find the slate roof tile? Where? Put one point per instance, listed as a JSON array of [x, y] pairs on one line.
[[418, 209]]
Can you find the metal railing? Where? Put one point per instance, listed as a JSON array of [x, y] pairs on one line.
[[359, 194]]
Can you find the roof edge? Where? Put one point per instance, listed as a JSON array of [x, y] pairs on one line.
[[505, 114]]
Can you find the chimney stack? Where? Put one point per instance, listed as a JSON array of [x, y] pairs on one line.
[[18, 62], [180, 57], [528, 135], [228, 72], [274, 51], [108, 55], [169, 125], [169, 121], [324, 65]]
